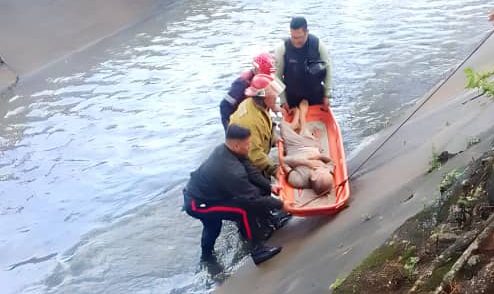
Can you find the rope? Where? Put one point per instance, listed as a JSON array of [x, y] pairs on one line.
[[421, 104]]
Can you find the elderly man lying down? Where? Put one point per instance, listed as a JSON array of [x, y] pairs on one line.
[[305, 165]]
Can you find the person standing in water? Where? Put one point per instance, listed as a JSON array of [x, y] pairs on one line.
[[261, 64], [302, 64]]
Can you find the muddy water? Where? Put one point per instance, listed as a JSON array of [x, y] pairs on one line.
[[95, 150]]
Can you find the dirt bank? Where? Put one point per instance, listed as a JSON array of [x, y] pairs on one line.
[[447, 248], [393, 186]]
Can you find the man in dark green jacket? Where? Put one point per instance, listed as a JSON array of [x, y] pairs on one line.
[[302, 63]]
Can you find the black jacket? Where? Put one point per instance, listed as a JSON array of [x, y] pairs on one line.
[[224, 175], [299, 83]]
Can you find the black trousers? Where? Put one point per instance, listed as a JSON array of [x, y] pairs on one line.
[[249, 216], [315, 98]]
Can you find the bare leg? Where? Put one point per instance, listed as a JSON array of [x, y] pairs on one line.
[[304, 108], [295, 124]]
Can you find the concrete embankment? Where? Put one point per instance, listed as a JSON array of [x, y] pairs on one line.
[[35, 34]]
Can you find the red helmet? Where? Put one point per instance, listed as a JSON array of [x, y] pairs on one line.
[[261, 82], [264, 63]]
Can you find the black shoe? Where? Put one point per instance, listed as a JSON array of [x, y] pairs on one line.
[[267, 232], [280, 219], [262, 253]]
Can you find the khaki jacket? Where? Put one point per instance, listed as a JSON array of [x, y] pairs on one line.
[[253, 117]]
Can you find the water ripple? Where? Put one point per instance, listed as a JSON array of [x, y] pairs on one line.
[[83, 149]]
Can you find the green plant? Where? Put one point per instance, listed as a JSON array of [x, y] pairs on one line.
[[435, 163], [409, 250], [337, 283], [411, 266], [481, 81], [448, 180], [409, 259]]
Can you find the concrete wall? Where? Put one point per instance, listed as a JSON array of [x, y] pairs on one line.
[[35, 33]]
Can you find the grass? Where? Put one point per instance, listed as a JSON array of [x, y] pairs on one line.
[[480, 80], [410, 260], [435, 163], [337, 283], [385, 253], [437, 276], [448, 180], [410, 266], [353, 283]]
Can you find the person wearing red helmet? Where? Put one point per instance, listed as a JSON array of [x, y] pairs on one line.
[[262, 63], [253, 114]]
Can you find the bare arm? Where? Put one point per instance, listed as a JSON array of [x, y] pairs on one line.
[[324, 55], [279, 56]]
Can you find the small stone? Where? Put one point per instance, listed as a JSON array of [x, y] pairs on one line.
[[486, 160], [446, 237], [465, 183], [488, 244], [366, 217], [473, 260]]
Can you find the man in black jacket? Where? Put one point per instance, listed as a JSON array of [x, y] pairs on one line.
[[227, 187]]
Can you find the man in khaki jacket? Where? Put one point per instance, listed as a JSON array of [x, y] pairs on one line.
[[253, 114]]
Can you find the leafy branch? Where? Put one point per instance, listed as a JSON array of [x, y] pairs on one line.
[[480, 80]]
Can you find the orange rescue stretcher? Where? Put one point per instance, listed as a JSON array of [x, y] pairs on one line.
[[304, 202]]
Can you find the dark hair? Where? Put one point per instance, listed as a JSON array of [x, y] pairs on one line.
[[237, 132], [298, 22]]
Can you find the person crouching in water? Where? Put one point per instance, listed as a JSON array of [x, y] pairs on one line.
[[227, 187], [305, 165], [261, 64]]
